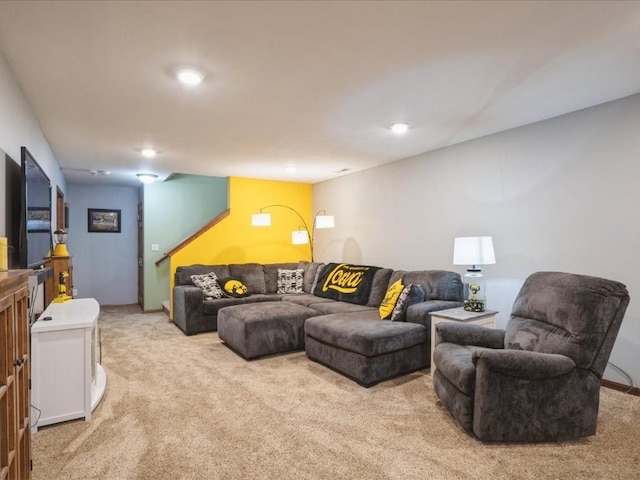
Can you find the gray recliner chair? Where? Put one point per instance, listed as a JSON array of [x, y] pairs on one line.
[[538, 380]]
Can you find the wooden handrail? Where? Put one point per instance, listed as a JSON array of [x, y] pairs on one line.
[[194, 235]]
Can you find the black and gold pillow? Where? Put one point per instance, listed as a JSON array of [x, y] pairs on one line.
[[233, 287]]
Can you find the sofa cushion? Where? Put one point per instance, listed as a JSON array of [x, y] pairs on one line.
[[208, 283], [334, 306], [251, 274], [271, 274], [311, 270], [183, 273], [346, 283], [290, 281], [211, 307], [411, 294], [363, 335], [304, 299], [437, 284], [379, 287], [389, 301]]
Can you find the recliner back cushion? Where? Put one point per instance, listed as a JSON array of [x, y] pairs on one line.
[[437, 284], [251, 274], [568, 314]]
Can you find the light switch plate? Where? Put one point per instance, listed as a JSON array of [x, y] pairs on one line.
[[155, 247]]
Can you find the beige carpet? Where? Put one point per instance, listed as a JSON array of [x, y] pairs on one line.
[[180, 407]]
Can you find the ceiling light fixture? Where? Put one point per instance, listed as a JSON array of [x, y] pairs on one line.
[[147, 177], [399, 128], [189, 76], [290, 169], [148, 152]]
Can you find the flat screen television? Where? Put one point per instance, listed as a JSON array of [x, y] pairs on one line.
[[36, 241]]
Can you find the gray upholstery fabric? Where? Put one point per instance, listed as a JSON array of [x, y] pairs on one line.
[[333, 306], [251, 274], [305, 299], [437, 284], [183, 274], [363, 336], [310, 273], [367, 371], [271, 274], [539, 380], [212, 307], [379, 287], [263, 329]]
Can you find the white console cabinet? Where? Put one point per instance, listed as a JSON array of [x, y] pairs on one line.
[[67, 380]]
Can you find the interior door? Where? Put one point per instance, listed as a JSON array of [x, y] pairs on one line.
[[140, 256]]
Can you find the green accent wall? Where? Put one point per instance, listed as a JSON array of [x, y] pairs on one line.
[[173, 210]]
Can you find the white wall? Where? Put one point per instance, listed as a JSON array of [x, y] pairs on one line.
[[104, 264], [556, 195], [19, 127]]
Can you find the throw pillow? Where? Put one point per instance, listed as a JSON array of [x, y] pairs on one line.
[[390, 299], [290, 281], [233, 288], [411, 294], [209, 285]]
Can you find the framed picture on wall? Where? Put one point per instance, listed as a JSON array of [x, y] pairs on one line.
[[102, 220]]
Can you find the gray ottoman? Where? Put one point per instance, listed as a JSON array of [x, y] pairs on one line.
[[258, 329], [366, 350]]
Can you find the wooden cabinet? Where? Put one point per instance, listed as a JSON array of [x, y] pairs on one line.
[[62, 264], [15, 433]]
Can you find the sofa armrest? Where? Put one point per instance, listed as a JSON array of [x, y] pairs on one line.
[[187, 307], [523, 364], [421, 312], [469, 334]]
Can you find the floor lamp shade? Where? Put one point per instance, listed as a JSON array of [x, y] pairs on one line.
[[261, 220]]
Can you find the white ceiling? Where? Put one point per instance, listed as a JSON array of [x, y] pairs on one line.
[[307, 84]]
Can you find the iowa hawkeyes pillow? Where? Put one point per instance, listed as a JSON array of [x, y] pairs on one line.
[[233, 288]]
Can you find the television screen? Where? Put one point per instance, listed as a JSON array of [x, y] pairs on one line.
[[36, 241]]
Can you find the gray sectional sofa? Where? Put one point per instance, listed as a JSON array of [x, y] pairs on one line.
[[345, 336]]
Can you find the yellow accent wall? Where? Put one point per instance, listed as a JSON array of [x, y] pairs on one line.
[[234, 240]]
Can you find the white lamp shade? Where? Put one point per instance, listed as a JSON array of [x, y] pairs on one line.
[[300, 237], [473, 251], [324, 221], [261, 220]]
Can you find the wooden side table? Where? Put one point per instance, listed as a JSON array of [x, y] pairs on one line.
[[486, 318]]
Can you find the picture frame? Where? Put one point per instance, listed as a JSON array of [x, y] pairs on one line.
[[38, 219], [103, 220]]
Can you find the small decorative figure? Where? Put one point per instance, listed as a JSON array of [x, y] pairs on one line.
[[474, 304], [62, 288]]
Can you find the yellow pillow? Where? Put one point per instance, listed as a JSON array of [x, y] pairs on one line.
[[390, 299]]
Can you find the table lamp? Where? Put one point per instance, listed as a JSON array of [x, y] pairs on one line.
[[474, 251]]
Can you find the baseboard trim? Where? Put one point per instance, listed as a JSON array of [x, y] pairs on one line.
[[620, 387]]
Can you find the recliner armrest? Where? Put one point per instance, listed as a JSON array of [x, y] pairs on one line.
[[523, 363], [469, 334]]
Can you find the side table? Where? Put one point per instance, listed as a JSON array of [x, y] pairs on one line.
[[486, 318]]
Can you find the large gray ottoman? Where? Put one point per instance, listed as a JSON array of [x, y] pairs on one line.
[[366, 350], [258, 329]]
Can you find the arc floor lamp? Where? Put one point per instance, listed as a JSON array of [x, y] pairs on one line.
[[301, 236]]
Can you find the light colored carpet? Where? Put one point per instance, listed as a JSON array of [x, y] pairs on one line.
[[180, 407]]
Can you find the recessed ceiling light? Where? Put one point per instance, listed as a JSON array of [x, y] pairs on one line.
[[189, 76], [399, 128], [148, 152], [147, 177], [290, 169]]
